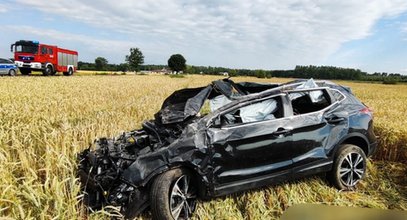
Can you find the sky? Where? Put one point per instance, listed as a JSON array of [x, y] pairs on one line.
[[370, 35]]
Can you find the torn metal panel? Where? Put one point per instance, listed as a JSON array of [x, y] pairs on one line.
[[182, 104]]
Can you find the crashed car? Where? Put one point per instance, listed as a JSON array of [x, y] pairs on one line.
[[229, 137]]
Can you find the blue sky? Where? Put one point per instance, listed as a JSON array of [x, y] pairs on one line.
[[269, 34]]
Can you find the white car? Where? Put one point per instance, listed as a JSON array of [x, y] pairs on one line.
[[7, 67]]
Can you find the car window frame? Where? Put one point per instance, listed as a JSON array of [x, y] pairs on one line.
[[326, 109], [336, 90], [211, 121]]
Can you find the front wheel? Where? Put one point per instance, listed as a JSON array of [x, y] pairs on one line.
[[12, 73], [48, 71], [173, 195], [349, 167]]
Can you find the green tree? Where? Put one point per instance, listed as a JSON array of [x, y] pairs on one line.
[[135, 59], [100, 63], [177, 62], [123, 67], [232, 72]]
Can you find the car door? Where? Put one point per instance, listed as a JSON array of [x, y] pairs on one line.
[[3, 66], [314, 127], [247, 155], [44, 54]]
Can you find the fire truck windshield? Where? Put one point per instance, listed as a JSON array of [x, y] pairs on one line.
[[26, 48]]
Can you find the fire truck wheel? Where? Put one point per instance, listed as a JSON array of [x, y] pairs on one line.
[[48, 70], [69, 73]]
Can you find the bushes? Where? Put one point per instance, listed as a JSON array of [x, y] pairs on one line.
[[390, 81]]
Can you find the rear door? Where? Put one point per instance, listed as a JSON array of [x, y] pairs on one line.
[[248, 151], [314, 127]]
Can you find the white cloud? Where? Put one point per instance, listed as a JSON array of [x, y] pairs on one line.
[[404, 27], [242, 33], [3, 8], [96, 44]]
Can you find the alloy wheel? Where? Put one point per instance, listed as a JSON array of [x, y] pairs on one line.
[[182, 198], [352, 169]]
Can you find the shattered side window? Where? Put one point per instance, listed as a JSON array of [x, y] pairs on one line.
[[259, 111], [309, 101], [316, 96], [337, 95]]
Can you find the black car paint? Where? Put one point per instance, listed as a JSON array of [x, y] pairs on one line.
[[225, 159]]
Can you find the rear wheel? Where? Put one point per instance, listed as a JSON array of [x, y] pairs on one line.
[[11, 72], [349, 167], [69, 73], [48, 70], [173, 195]]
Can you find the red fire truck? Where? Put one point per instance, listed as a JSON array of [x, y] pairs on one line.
[[33, 56]]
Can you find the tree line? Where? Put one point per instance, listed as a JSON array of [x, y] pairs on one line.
[[177, 63], [133, 62], [317, 72]]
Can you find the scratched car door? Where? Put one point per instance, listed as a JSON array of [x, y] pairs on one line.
[[314, 129], [247, 152]]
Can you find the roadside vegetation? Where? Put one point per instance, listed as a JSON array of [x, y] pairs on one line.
[[46, 121]]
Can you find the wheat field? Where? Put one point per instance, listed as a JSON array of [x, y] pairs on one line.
[[46, 121]]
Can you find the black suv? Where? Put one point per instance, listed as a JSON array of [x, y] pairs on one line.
[[229, 137]]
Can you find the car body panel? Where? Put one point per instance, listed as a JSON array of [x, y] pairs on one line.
[[249, 150]]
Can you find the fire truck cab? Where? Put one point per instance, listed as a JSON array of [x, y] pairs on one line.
[[33, 56]]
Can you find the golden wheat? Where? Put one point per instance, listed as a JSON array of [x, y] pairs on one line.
[[46, 121]]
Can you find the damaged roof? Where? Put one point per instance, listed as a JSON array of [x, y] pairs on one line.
[[186, 103]]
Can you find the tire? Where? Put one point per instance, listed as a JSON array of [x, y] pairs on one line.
[[69, 73], [25, 72], [48, 70], [349, 167], [168, 192], [12, 72]]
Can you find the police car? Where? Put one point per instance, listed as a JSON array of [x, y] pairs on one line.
[[7, 67]]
